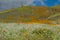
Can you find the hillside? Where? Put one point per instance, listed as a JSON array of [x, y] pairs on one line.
[[26, 14]]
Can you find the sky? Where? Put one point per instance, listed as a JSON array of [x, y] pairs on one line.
[[46, 2], [7, 4]]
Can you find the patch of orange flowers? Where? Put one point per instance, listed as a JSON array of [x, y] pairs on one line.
[[50, 22]]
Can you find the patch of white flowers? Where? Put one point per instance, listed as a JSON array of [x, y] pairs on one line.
[[13, 31]]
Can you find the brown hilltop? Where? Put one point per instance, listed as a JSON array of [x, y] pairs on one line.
[[42, 11]]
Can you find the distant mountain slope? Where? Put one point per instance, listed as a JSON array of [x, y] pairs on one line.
[[29, 14], [8, 4]]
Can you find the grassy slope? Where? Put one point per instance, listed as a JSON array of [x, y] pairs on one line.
[[27, 14], [24, 32]]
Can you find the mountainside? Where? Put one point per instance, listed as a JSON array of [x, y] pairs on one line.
[[26, 14]]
